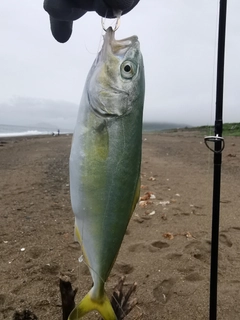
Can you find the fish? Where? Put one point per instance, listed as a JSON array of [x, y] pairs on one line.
[[105, 162]]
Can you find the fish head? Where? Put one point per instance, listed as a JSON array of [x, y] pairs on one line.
[[116, 79]]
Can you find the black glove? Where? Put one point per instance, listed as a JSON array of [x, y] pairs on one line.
[[63, 12]]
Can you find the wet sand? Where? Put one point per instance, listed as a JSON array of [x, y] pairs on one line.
[[166, 249]]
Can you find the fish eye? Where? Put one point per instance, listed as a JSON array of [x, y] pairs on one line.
[[128, 69]]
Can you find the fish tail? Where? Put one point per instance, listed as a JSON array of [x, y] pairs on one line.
[[87, 304]]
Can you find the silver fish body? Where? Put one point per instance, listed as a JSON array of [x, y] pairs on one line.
[[105, 161]]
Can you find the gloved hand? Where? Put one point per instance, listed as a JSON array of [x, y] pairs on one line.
[[63, 12]]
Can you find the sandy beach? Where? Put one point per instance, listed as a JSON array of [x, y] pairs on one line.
[[166, 249]]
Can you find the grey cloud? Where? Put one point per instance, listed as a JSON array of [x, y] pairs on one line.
[[178, 40], [32, 111]]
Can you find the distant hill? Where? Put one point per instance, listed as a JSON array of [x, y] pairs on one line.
[[160, 126], [229, 129]]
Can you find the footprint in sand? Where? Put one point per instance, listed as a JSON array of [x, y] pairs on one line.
[[156, 245], [174, 256], [225, 240], [152, 247], [193, 277], [137, 247], [200, 250], [235, 228], [163, 291], [124, 268]]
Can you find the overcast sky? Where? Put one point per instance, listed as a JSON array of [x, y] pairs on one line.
[[42, 80]]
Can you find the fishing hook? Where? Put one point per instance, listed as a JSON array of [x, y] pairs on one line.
[[117, 24]]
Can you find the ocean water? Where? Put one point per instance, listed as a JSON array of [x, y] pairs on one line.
[[18, 131]]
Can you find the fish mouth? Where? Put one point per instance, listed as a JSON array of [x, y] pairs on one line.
[[117, 47]]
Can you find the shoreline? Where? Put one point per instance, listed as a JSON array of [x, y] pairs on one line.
[[29, 137]]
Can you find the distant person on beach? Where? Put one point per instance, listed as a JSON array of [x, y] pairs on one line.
[[58, 132], [62, 13]]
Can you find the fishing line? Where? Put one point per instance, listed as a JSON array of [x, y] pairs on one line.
[[102, 32], [81, 260], [214, 78], [214, 68], [100, 41]]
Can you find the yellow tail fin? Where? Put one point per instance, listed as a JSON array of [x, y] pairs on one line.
[[104, 307]]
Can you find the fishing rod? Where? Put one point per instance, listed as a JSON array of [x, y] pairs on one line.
[[218, 148]]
